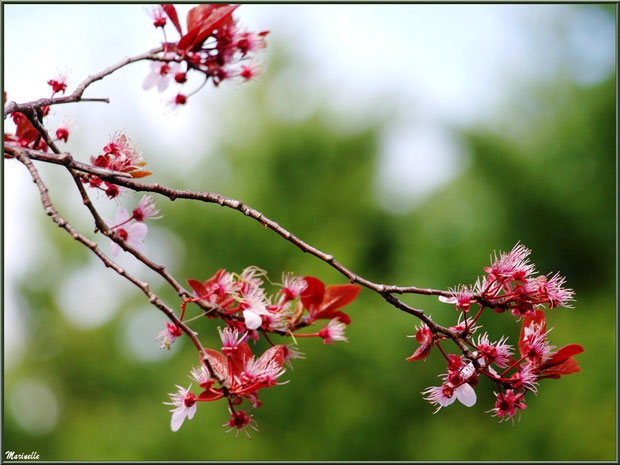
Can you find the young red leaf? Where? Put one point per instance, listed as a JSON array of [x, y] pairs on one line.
[[420, 353], [312, 296], [217, 18], [564, 353], [171, 11], [197, 15], [339, 295], [219, 363], [567, 367], [239, 357], [329, 314], [210, 395], [275, 354], [25, 130], [202, 21], [198, 287], [140, 174]]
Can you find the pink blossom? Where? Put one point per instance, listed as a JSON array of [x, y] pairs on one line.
[[202, 376], [526, 378], [167, 336], [261, 371], [160, 75], [240, 420], [250, 71], [461, 326], [254, 304], [463, 297], [334, 331], [179, 99], [158, 15], [292, 286], [508, 404], [446, 394], [543, 290], [514, 265], [250, 42], [535, 346], [131, 234], [146, 209], [184, 402], [231, 338], [424, 337], [59, 83], [251, 275], [120, 155], [65, 128], [494, 352]]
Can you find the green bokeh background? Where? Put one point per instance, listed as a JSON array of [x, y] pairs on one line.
[[551, 186]]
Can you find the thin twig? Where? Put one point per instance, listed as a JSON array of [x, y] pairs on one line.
[[51, 211], [208, 197], [76, 96]]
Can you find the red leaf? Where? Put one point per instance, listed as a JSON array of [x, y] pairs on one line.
[[198, 287], [171, 11], [210, 395], [239, 358], [216, 20], [25, 130], [567, 367], [197, 15], [563, 354], [275, 353], [219, 363], [420, 353], [329, 314], [339, 295], [538, 318], [202, 21], [312, 296], [140, 174]]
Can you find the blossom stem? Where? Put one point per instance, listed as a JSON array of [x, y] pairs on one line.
[[514, 365], [441, 350], [482, 307]]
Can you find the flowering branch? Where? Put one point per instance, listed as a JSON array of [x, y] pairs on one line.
[[76, 95], [218, 49]]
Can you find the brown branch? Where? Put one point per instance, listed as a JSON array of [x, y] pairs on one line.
[[384, 290], [51, 211], [210, 197], [76, 96]]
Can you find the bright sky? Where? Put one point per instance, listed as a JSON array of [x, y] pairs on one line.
[[446, 66]]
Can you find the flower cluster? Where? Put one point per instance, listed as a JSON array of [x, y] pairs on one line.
[[509, 285], [121, 155], [239, 376], [131, 229], [240, 300], [214, 46]]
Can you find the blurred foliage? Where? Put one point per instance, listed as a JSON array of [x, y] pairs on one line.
[[550, 185]]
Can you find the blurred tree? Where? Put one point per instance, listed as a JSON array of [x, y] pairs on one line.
[[551, 187]]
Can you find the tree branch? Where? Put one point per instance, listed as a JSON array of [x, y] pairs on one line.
[[51, 211], [76, 96]]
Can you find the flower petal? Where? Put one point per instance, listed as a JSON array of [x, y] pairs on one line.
[[448, 300], [465, 394], [178, 417], [252, 320], [137, 231]]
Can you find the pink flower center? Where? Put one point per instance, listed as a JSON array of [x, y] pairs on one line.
[[122, 234]]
